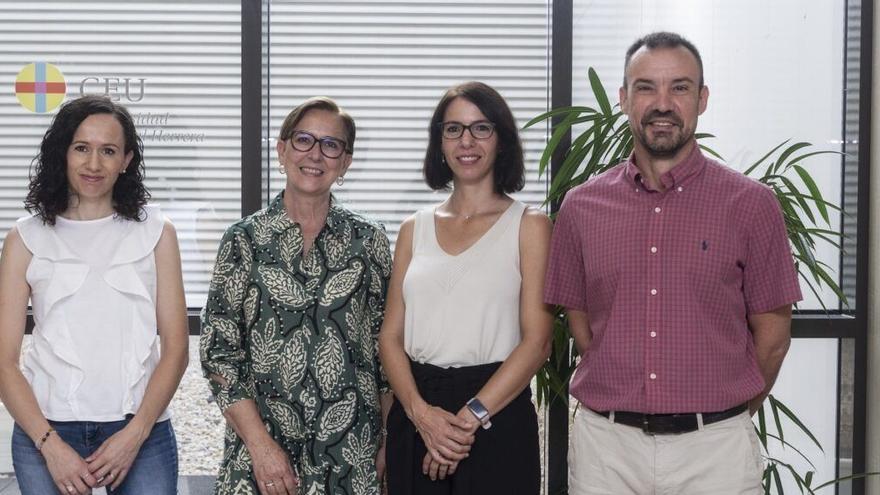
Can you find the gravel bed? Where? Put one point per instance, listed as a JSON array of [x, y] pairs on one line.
[[197, 421]]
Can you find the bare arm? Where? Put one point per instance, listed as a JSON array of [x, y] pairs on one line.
[[385, 403], [771, 332], [173, 330], [117, 454], [443, 433], [535, 318], [65, 465], [579, 327]]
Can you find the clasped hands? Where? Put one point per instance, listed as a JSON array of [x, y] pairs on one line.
[[108, 465], [448, 438]]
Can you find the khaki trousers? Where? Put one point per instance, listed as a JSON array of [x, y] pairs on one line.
[[606, 458]]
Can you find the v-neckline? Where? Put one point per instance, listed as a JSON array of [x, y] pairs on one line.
[[473, 244]]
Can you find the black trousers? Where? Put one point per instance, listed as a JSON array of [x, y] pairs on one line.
[[503, 459]]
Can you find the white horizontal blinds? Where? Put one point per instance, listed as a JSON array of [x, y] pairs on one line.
[[388, 63], [188, 113]]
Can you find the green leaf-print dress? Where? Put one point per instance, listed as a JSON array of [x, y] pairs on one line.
[[298, 334]]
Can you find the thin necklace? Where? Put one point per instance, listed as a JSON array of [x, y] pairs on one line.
[[467, 217]]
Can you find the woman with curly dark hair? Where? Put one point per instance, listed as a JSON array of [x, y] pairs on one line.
[[102, 271], [50, 193]]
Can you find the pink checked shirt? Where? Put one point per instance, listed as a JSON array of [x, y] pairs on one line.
[[668, 280]]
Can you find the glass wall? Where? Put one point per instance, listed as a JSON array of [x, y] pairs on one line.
[[176, 65], [388, 63]]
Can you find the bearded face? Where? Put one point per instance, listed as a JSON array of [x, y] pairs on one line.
[[663, 100]]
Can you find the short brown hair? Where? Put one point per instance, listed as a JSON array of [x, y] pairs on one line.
[[662, 39], [318, 103]]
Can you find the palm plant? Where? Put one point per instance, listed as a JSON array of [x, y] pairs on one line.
[[605, 141]]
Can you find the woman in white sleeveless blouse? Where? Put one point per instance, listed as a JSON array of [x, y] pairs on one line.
[[465, 326], [102, 271]]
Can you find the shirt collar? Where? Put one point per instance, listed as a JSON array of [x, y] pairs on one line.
[[694, 163], [276, 215]]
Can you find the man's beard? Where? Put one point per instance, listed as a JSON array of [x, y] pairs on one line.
[[668, 145]]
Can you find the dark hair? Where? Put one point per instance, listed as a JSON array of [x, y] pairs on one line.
[[318, 103], [662, 39], [508, 169], [49, 191]]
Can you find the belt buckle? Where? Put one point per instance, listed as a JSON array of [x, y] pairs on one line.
[[664, 425], [647, 425]]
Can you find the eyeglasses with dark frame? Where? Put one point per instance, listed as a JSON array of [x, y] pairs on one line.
[[330, 147], [481, 129]]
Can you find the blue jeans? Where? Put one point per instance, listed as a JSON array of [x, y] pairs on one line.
[[154, 471]]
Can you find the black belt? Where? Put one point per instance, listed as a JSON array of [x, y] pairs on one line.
[[665, 424]]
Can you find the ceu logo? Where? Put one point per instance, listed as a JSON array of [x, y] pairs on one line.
[[40, 87]]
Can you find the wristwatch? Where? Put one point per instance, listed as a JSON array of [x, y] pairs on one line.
[[480, 412]]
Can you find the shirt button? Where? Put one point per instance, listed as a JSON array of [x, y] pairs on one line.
[[657, 209], [653, 249], [680, 189], [653, 376], [653, 334], [653, 292]]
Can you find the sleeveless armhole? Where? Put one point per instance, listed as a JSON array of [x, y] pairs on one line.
[[26, 233], [419, 225], [519, 223]]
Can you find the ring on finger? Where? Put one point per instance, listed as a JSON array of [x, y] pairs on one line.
[[69, 488], [270, 483]]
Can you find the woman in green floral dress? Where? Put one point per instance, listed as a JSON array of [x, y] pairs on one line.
[[289, 329]]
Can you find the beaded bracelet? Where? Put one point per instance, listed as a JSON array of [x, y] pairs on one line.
[[43, 440]]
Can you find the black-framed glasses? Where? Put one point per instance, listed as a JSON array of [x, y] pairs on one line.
[[329, 146], [481, 129]]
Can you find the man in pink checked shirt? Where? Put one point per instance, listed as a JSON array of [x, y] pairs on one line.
[[678, 281]]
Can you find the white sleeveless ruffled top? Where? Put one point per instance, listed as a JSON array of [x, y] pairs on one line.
[[463, 310], [93, 292]]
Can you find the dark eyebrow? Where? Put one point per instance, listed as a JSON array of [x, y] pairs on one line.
[[112, 145], [674, 81]]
